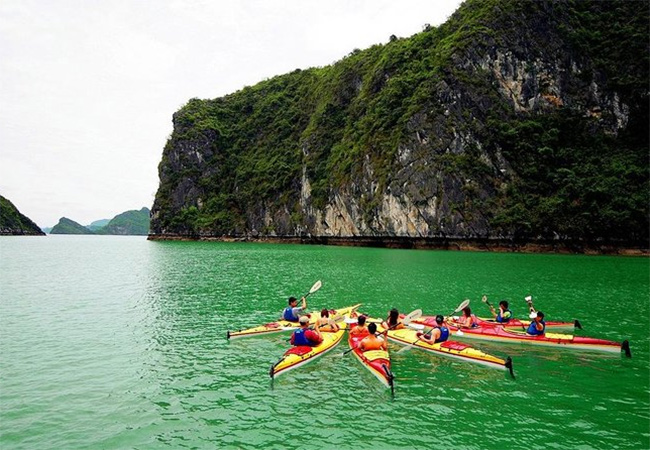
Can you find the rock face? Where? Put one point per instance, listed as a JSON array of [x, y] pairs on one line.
[[12, 222], [513, 120]]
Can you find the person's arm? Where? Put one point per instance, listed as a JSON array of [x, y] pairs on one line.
[[304, 304], [539, 326], [292, 338]]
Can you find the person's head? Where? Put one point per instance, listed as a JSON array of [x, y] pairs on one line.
[[440, 319], [540, 315], [361, 320], [372, 327], [467, 311], [393, 315], [304, 321], [293, 301], [503, 304], [324, 313]]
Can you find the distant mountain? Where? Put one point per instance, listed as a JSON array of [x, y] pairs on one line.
[[67, 226], [98, 224], [12, 222], [128, 223]]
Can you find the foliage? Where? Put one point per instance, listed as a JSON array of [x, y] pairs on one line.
[[570, 177], [13, 222]]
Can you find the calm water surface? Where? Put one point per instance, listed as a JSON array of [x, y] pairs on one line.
[[111, 342]]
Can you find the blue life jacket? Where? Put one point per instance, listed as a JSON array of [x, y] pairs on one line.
[[299, 338], [289, 315], [532, 330], [501, 319], [444, 334]]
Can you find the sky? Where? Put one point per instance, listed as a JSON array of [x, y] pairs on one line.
[[88, 89]]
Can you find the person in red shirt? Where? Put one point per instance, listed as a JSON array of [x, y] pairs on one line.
[[305, 336]]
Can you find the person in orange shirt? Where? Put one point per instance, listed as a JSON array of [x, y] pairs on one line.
[[372, 342], [360, 327], [393, 322]]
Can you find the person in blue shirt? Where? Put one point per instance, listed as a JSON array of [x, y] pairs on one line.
[[439, 333], [293, 312], [504, 315], [537, 327]]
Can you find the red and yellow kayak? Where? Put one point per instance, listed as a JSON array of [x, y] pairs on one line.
[[451, 349], [284, 325], [300, 355], [500, 334], [376, 361]]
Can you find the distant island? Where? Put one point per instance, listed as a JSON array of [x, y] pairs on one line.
[[131, 222], [13, 223]]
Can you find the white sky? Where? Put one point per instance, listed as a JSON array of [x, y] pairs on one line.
[[88, 88]]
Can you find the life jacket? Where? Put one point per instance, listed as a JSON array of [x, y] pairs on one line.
[[375, 344], [534, 331], [444, 334], [288, 314], [500, 319], [299, 338]]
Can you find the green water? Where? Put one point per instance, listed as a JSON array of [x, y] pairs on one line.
[[118, 343]]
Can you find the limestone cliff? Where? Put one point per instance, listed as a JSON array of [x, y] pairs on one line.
[[12, 222], [512, 121]]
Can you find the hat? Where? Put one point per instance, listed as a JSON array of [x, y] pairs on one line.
[[304, 319]]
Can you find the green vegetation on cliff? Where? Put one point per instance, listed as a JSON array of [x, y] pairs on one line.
[[515, 119], [128, 223], [12, 222], [67, 226]]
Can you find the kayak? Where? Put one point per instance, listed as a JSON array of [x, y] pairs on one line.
[[284, 325], [302, 354], [376, 361], [452, 349], [500, 334], [511, 324]]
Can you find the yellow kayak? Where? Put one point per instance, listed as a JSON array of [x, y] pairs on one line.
[[452, 349], [284, 325], [302, 354]]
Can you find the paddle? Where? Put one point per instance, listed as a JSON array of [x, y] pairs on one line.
[[314, 288], [416, 314], [533, 312], [460, 307]]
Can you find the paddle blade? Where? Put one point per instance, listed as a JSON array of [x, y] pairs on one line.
[[412, 316], [462, 306], [315, 287]]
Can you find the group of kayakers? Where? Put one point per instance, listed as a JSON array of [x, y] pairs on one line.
[[311, 336], [537, 325]]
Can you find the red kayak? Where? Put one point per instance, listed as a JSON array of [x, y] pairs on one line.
[[377, 361], [501, 334]]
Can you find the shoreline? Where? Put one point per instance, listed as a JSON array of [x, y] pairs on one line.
[[454, 244]]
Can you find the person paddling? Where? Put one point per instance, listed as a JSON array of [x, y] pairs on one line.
[[293, 312], [468, 320], [372, 342], [393, 322], [439, 333], [305, 336], [538, 326], [504, 315]]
